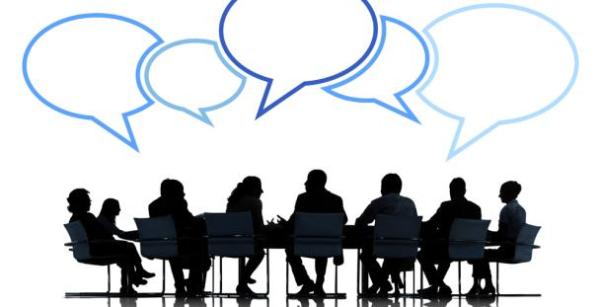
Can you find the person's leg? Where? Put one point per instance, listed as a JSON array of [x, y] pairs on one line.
[[298, 269], [373, 269], [251, 265], [178, 277], [428, 266], [320, 269]]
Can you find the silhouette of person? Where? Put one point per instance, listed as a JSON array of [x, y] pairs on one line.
[[435, 234], [107, 217], [512, 218], [106, 246], [316, 199], [390, 203], [246, 197], [193, 250]]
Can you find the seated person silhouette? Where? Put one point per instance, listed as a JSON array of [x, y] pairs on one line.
[[107, 217], [125, 253], [246, 197], [193, 250], [512, 218], [434, 234], [316, 199], [390, 203]]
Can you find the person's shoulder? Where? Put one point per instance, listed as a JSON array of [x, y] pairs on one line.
[[333, 195], [473, 205], [406, 199]]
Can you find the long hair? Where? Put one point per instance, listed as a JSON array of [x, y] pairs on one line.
[[244, 188], [110, 209]]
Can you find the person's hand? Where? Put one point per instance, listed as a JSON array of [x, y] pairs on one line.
[[281, 220]]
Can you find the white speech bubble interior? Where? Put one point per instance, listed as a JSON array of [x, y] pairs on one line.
[[192, 76], [292, 41], [511, 64], [100, 56]]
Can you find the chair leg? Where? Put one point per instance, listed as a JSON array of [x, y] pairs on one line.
[[497, 278], [421, 279], [413, 278], [108, 271], [358, 293], [459, 279], [287, 279], [268, 274], [220, 274], [163, 276], [212, 259], [336, 280], [404, 281]]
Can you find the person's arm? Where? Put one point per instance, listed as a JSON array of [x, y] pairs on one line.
[[368, 215], [258, 217], [341, 201]]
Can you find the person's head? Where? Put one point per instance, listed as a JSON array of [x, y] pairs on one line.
[[509, 191], [315, 181], [79, 201], [110, 208], [252, 186], [171, 188], [391, 183], [458, 188]]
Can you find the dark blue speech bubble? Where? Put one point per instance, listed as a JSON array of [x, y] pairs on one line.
[[263, 108]]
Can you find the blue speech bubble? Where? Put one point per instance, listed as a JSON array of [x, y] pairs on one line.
[[263, 108], [455, 149], [403, 110], [128, 139], [202, 113]]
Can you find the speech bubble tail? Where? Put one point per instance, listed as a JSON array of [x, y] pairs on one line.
[[118, 126], [397, 105], [468, 133], [202, 115], [275, 93]]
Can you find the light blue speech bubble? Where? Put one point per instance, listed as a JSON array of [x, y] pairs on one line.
[[128, 139], [456, 148], [200, 113], [264, 108], [402, 110]]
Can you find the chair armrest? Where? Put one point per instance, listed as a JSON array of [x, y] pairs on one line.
[[89, 242]]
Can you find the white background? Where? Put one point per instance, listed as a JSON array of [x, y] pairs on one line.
[[45, 155]]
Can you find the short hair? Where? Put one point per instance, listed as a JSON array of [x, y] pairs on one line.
[[391, 183], [458, 186], [78, 201], [317, 178], [511, 189], [169, 186]]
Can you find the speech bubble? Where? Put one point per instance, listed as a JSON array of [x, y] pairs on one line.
[[401, 55], [496, 64], [88, 66], [193, 77], [291, 44]]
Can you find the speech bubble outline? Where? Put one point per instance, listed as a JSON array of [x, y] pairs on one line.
[[454, 148], [405, 111], [202, 115], [262, 110], [129, 140]]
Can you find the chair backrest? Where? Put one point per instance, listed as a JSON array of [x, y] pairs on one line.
[[318, 234], [467, 239], [396, 236], [230, 234], [79, 241], [158, 237], [524, 243]]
